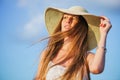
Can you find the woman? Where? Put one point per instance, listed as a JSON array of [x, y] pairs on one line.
[[73, 33]]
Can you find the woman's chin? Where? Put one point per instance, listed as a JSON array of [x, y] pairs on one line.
[[65, 30]]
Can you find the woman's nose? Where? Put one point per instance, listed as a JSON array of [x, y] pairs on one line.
[[69, 20]]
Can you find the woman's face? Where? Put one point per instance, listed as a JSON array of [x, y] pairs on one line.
[[68, 22]]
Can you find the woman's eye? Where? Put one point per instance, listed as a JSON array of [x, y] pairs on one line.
[[64, 17]]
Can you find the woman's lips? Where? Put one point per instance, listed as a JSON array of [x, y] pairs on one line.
[[67, 26]]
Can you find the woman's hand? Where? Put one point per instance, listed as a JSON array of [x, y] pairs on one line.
[[105, 25]]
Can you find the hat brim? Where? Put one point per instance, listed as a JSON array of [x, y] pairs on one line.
[[54, 15]]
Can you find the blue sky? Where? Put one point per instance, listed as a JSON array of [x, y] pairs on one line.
[[22, 23]]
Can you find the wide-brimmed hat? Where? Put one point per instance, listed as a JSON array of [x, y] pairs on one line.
[[54, 15]]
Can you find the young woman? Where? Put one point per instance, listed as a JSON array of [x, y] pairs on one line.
[[73, 33]]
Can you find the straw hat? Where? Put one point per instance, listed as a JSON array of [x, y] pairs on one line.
[[54, 15]]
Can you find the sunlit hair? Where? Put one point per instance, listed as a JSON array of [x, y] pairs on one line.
[[78, 48]]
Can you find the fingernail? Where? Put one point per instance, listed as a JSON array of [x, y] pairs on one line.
[[101, 25]]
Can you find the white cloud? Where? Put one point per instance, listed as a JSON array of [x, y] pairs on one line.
[[108, 3], [33, 27], [22, 3], [28, 3]]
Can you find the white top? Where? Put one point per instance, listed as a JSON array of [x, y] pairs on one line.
[[55, 72]]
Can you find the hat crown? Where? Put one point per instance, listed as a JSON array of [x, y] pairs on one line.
[[78, 9]]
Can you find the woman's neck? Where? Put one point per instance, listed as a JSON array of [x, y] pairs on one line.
[[63, 53], [66, 44]]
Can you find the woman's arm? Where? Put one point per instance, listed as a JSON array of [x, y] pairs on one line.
[[96, 61]]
